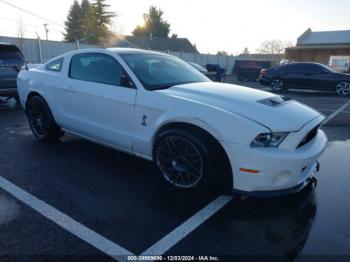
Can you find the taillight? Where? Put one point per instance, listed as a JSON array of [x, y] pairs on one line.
[[263, 72]]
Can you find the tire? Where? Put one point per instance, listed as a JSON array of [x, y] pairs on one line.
[[277, 85], [342, 88], [41, 121], [187, 160]]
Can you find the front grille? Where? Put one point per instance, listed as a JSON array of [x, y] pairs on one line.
[[311, 135]]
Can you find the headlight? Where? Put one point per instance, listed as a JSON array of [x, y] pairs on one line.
[[269, 139]]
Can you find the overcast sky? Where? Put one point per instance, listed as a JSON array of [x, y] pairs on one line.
[[212, 25]]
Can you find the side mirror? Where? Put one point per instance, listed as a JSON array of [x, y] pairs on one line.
[[324, 71], [126, 82]]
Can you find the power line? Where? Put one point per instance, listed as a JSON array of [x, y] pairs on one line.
[[31, 13], [27, 24], [16, 22]]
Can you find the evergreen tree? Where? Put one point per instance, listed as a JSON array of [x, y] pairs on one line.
[[153, 24], [89, 22], [103, 18], [73, 25]]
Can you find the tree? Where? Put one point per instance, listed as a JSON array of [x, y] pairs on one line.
[[21, 30], [272, 47], [73, 25], [103, 18], [153, 24], [222, 53], [245, 51], [89, 22]]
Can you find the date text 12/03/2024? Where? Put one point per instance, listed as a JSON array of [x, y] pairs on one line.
[[173, 258]]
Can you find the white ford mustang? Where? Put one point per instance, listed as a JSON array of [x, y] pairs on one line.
[[153, 105]]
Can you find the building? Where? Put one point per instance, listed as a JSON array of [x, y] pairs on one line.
[[163, 44], [326, 47]]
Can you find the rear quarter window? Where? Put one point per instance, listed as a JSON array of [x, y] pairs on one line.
[[294, 68], [55, 65]]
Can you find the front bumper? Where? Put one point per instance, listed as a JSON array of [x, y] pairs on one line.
[[279, 168], [281, 192]]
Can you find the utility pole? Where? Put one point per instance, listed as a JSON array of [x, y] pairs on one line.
[[46, 31]]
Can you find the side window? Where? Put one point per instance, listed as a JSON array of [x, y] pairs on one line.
[[293, 68], [312, 69], [55, 65], [94, 67]]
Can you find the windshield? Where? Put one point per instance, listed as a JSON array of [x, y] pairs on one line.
[[198, 67], [156, 71]]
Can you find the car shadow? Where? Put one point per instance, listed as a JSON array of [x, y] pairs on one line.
[[258, 229]]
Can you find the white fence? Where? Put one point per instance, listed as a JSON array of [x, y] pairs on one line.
[[39, 51], [226, 62]]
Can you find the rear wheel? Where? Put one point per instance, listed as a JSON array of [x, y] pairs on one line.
[[41, 120], [343, 88], [186, 161], [277, 85]]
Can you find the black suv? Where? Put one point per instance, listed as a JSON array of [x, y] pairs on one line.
[[11, 62], [305, 76]]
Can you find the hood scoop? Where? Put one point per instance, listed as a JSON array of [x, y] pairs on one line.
[[275, 101]]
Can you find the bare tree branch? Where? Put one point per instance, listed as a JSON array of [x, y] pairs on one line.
[[21, 30]]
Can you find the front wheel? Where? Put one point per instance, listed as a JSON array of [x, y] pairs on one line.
[[184, 160], [277, 85], [41, 120], [343, 88]]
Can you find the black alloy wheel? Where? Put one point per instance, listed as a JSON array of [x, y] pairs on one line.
[[41, 120]]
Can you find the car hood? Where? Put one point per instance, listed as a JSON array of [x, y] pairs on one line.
[[256, 105]]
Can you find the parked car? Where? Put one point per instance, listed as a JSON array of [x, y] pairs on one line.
[[249, 69], [215, 72], [199, 68], [306, 76], [156, 106], [11, 61]]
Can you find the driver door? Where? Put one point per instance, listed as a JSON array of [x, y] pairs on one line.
[[95, 102]]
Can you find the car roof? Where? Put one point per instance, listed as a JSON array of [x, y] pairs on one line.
[[115, 50], [9, 45], [130, 51], [303, 63], [4, 43]]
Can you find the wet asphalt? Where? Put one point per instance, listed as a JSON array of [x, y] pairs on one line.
[[124, 199]]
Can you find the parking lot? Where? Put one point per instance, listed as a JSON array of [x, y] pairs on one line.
[[76, 198]]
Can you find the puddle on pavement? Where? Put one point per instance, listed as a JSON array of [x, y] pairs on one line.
[[335, 167], [9, 209], [310, 222]]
